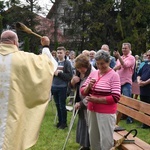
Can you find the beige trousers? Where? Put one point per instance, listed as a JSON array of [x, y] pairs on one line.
[[101, 129]]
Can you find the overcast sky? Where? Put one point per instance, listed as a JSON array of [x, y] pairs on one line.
[[45, 4]]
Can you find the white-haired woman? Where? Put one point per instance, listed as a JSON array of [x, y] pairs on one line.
[[102, 91]]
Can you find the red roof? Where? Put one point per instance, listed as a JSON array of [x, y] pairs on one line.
[[46, 26]]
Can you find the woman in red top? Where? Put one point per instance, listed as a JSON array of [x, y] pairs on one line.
[[102, 91]]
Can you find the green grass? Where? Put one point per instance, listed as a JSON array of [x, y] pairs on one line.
[[51, 138]]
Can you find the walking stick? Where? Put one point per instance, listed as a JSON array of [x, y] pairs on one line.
[[70, 128], [73, 113], [72, 117], [24, 28]]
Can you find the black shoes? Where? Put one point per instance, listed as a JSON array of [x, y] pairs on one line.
[[84, 148], [58, 125], [129, 120], [144, 126], [61, 126]]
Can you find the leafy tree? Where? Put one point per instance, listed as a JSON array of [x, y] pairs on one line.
[[55, 2], [2, 7], [77, 19], [134, 19], [25, 15], [95, 22], [26, 44], [1, 26], [10, 3], [33, 5], [102, 23], [91, 22]]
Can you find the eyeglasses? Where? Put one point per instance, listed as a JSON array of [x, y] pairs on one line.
[[147, 55]]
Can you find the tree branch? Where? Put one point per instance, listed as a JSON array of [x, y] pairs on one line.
[[52, 1]]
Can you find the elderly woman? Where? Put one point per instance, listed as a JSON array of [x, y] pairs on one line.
[[83, 69], [102, 91]]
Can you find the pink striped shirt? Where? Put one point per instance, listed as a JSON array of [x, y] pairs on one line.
[[107, 86], [127, 69]]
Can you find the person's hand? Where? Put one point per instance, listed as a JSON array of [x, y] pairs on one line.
[[75, 80], [77, 106], [141, 83], [91, 83], [57, 71], [117, 67], [116, 54], [45, 41], [91, 98]]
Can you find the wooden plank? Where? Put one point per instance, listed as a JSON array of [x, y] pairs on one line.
[[136, 104], [131, 147], [118, 136], [134, 114], [138, 141], [139, 111], [119, 115]]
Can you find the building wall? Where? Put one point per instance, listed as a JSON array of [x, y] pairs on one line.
[[57, 12]]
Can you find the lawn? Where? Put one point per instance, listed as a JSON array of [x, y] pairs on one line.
[[51, 138]]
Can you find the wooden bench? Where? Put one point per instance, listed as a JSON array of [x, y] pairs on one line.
[[139, 111]]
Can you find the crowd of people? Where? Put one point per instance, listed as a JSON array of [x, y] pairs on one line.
[[95, 78], [99, 79]]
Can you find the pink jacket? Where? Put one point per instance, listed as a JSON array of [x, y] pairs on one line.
[[106, 86], [127, 69]]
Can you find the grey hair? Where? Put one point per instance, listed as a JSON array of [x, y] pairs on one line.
[[72, 52], [129, 45], [102, 55], [8, 36]]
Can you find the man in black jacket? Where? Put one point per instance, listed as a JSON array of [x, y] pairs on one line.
[[62, 76]]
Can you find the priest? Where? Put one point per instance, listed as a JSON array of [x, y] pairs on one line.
[[25, 84]]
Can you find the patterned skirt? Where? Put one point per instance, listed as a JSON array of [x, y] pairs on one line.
[[135, 88]]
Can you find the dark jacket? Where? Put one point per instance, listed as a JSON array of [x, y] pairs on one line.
[[67, 73]]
